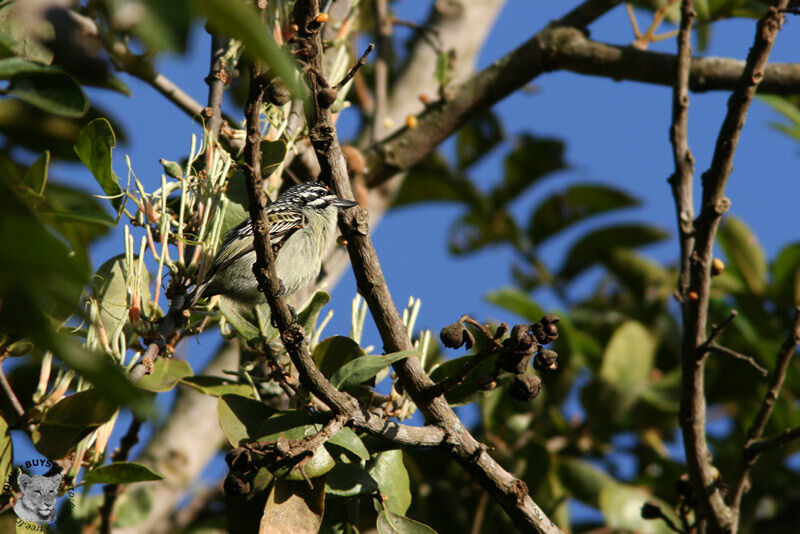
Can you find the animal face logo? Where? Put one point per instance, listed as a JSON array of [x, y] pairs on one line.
[[38, 502]]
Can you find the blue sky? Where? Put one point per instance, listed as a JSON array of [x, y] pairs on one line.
[[616, 133]]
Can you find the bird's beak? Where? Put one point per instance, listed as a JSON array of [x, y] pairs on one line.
[[343, 204]]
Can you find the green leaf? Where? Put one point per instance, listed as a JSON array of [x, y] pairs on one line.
[[70, 420], [577, 203], [391, 523], [53, 92], [308, 317], [241, 417], [628, 361], [133, 506], [94, 146], [167, 372], [476, 138], [16, 34], [272, 155], [583, 480], [295, 425], [216, 386], [362, 369], [596, 246], [16, 65], [786, 275], [621, 506], [36, 176], [349, 480], [332, 353], [444, 70], [121, 473], [240, 20], [531, 159], [483, 227], [467, 391], [516, 301], [745, 256], [390, 473], [111, 291], [642, 276], [294, 506], [349, 440]]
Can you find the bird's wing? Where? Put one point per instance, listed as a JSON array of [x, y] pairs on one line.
[[239, 241]]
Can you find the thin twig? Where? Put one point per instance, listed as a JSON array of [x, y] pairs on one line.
[[756, 430], [739, 356], [773, 442], [216, 84], [681, 180], [358, 65], [384, 26], [12, 397], [716, 330]]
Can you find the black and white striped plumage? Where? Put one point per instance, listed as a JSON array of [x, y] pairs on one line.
[[302, 228]]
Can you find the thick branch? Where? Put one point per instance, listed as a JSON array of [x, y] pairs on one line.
[[216, 84], [552, 49], [693, 402]]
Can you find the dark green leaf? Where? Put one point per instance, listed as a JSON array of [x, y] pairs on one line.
[[391, 523], [241, 417], [16, 65], [444, 70], [53, 92], [121, 473], [167, 372], [531, 159], [217, 386], [94, 146], [786, 274], [641, 275], [595, 246], [348, 480], [36, 176], [163, 25], [745, 256], [332, 353], [272, 155], [583, 480], [480, 228], [362, 369], [388, 470], [577, 203], [477, 138]]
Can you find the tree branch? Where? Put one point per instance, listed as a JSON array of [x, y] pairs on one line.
[[555, 48], [112, 491], [702, 474], [511, 493], [750, 453], [681, 180]]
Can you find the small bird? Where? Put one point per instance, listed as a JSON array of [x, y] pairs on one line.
[[302, 228]]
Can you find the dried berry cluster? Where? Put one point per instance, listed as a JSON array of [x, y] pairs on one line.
[[523, 344]]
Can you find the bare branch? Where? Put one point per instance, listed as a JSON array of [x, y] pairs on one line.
[[112, 491], [702, 474], [216, 84], [772, 442], [9, 391], [750, 455]]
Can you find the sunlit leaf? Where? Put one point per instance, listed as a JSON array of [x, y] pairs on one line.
[[516, 301], [36, 176], [745, 256], [333, 353], [216, 386], [628, 361], [94, 146], [390, 473], [241, 417], [362, 369], [167, 372], [583, 480], [622, 509], [349, 440], [121, 473]]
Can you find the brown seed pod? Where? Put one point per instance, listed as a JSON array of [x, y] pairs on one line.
[[486, 382], [326, 97], [525, 388], [277, 93], [455, 335], [546, 360]]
